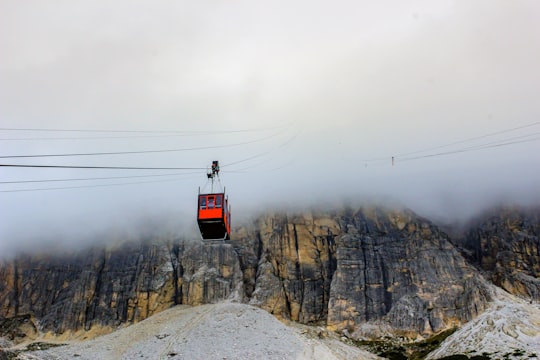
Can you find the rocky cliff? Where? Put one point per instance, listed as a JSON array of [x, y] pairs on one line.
[[368, 272], [373, 271], [505, 243], [105, 287]]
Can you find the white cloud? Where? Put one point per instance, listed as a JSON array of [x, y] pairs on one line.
[[361, 80]]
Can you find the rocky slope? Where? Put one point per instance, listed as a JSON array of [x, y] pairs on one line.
[[354, 268], [220, 331], [105, 287], [505, 243], [366, 272], [508, 329]]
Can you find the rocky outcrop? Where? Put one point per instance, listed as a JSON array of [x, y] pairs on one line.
[[107, 287], [506, 244], [295, 266], [400, 273], [368, 272], [351, 268]]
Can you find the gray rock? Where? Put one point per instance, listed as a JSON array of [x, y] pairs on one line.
[[506, 244], [399, 269], [125, 283], [353, 270]]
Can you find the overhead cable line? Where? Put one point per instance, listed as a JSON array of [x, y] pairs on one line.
[[287, 142], [380, 159], [93, 178], [476, 148], [99, 167], [473, 138], [103, 137], [185, 132], [87, 186], [127, 167], [497, 143], [505, 140], [176, 175], [141, 151], [152, 134]]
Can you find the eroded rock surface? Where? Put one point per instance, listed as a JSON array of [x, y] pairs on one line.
[[351, 268], [111, 286], [368, 272], [295, 265], [398, 270], [506, 244]]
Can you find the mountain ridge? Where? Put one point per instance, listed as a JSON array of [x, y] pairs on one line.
[[368, 272]]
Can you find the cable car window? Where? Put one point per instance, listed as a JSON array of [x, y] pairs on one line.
[[210, 202], [203, 202], [218, 201]]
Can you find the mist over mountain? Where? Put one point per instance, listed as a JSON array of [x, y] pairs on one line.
[[381, 161], [367, 272], [303, 104]]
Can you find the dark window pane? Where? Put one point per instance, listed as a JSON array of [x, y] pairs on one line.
[[203, 202]]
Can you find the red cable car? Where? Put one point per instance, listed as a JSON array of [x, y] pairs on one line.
[[213, 211]]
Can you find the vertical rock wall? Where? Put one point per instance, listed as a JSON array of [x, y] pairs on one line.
[[296, 265], [506, 244], [398, 270], [350, 268], [370, 271], [108, 287]]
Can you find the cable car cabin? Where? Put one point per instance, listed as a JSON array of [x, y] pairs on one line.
[[214, 217]]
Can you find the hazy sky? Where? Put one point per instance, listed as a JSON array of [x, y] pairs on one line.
[[305, 101]]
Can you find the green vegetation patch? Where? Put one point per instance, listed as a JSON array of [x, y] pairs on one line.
[[393, 350], [41, 346], [14, 354], [480, 357], [10, 328]]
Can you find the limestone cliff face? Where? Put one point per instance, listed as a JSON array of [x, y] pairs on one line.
[[400, 273], [506, 244], [294, 264], [350, 268], [107, 287], [369, 271]]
